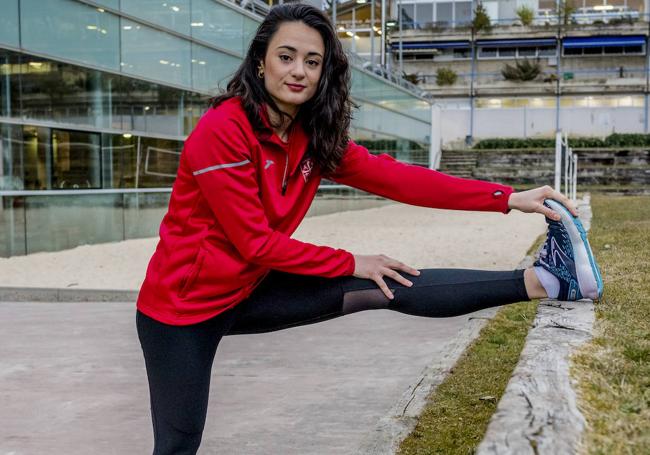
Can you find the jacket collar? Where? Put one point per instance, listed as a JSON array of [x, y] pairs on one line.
[[296, 144]]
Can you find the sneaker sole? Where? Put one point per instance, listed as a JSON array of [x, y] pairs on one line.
[[589, 279]]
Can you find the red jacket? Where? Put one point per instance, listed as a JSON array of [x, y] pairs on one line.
[[229, 222]]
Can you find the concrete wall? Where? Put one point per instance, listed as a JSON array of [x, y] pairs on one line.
[[538, 122]]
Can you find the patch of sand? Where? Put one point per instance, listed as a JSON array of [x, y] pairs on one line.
[[418, 236]]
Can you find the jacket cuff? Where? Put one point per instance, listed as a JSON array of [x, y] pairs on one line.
[[349, 271], [501, 195]]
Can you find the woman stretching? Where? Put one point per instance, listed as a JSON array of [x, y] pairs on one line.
[[226, 263]]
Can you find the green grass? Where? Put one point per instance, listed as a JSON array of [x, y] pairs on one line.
[[613, 370], [460, 408]]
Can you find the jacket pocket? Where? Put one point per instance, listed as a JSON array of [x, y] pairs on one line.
[[192, 274]]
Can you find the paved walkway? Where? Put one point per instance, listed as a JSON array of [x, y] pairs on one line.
[[72, 378]]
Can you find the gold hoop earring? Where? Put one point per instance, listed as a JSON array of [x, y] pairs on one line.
[[260, 71]]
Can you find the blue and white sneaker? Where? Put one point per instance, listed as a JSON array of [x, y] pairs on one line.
[[566, 254]]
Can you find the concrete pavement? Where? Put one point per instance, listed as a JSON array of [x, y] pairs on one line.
[[72, 381]]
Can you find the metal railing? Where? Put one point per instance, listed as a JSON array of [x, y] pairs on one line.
[[623, 74], [543, 19], [566, 165]]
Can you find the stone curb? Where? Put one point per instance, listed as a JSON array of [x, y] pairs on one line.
[[26, 294], [538, 413]]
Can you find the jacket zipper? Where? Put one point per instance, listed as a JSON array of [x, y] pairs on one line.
[[284, 176]]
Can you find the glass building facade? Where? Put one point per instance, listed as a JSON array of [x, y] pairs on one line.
[[97, 97]]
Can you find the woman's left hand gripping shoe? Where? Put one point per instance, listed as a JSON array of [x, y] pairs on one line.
[[567, 255]]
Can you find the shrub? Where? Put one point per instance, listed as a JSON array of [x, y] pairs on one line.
[[481, 19], [565, 10], [446, 76], [627, 140], [412, 78], [526, 15], [613, 140], [524, 70]]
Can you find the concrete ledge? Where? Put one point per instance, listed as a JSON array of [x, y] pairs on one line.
[[538, 413], [16, 294]]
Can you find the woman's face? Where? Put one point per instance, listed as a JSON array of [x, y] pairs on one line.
[[293, 65]]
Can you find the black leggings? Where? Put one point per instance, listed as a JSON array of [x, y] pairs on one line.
[[179, 358]]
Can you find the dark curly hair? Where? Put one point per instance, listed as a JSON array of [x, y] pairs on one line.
[[326, 116]]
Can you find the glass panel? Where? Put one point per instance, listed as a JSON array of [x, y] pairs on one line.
[[217, 24], [140, 162], [614, 50], [582, 102], [9, 22], [174, 14], [566, 101], [145, 106], [461, 53], [72, 221], [424, 14], [12, 226], [593, 51], [154, 54], [572, 51], [70, 30], [527, 51], [115, 4], [408, 16], [507, 52], [634, 49], [444, 14], [119, 160], [9, 84], [211, 69], [36, 158], [157, 162], [400, 148], [54, 91], [463, 13], [546, 51], [195, 107], [250, 28], [487, 52], [143, 214], [11, 157], [542, 102], [75, 160]]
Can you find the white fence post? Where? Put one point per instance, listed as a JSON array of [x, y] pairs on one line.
[[575, 177], [558, 160], [567, 152], [567, 165]]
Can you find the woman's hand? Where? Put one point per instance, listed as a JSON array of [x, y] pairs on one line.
[[532, 201], [376, 267]]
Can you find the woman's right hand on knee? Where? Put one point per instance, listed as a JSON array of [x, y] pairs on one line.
[[376, 267]]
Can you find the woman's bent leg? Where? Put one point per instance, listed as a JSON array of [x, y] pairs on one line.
[[179, 361], [285, 300]]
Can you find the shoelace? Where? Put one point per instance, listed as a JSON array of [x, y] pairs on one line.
[[557, 229]]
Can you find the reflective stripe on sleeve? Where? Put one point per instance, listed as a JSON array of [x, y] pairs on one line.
[[219, 166]]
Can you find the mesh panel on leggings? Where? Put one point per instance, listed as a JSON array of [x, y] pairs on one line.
[[366, 299]]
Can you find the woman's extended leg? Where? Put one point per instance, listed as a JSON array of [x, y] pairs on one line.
[[285, 300]]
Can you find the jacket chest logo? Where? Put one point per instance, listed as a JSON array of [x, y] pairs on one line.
[[306, 167]]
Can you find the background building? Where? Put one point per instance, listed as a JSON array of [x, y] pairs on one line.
[[590, 57], [96, 98]]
